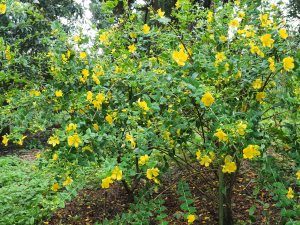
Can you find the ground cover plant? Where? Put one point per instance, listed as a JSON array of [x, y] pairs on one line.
[[212, 91], [26, 193]]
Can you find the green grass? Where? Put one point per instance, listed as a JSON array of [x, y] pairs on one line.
[[25, 191]]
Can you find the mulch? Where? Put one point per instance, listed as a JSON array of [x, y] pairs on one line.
[[94, 205]]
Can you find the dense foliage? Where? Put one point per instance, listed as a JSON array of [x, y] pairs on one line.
[[25, 194], [216, 88]]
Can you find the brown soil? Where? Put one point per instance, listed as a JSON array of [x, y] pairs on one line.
[[93, 205]]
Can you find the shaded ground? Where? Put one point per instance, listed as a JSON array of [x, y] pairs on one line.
[[28, 155], [92, 206]]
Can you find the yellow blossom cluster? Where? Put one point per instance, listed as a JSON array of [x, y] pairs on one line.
[[221, 135], [180, 57], [74, 140], [241, 128], [2, 8], [143, 160], [71, 127], [5, 140], [229, 166], [251, 151], [143, 105], [205, 159], [130, 139], [53, 140], [152, 174], [254, 49], [116, 174], [207, 99]]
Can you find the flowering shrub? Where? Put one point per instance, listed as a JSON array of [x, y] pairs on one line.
[[217, 89]]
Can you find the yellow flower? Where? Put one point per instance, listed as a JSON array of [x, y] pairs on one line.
[[143, 105], [131, 140], [238, 75], [264, 20], [82, 79], [272, 64], [146, 29], [103, 38], [8, 55], [118, 69], [117, 173], [100, 98], [34, 93], [180, 57], [298, 175], [220, 57], [283, 33], [288, 63], [55, 187], [198, 155], [241, 14], [74, 140], [212, 155], [55, 157], [241, 127], [85, 73], [210, 16], [260, 96], [234, 23], [133, 35], [89, 96], [53, 140], [205, 160], [251, 151], [95, 79], [255, 50], [64, 58], [160, 13], [132, 48], [267, 40], [20, 142], [71, 127], [143, 160], [106, 182], [221, 135], [68, 181], [223, 38], [290, 193], [87, 148], [58, 93], [207, 99], [152, 174], [257, 84], [109, 119], [229, 166], [38, 155], [96, 127], [76, 38], [5, 140], [191, 218], [82, 55], [2, 8]]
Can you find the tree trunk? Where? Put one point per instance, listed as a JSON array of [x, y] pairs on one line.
[[225, 194]]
